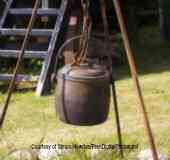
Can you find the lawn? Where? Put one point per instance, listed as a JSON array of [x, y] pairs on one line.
[[29, 117]]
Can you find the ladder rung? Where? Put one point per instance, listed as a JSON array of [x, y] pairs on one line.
[[28, 54], [28, 11], [22, 32], [23, 78]]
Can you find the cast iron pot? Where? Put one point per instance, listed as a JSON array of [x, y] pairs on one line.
[[83, 94]]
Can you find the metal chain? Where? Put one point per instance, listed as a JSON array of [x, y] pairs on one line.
[[85, 32], [84, 38]]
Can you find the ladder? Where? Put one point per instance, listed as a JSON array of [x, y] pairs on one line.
[[48, 54]]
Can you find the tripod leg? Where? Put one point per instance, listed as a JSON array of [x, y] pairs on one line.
[[106, 31], [133, 69], [20, 57], [117, 118]]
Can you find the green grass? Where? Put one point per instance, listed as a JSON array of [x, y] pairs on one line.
[[29, 115]]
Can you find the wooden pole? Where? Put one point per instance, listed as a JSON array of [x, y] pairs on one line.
[[21, 54], [113, 87], [117, 117], [135, 78]]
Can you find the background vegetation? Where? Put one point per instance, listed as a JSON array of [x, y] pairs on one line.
[[25, 123], [29, 116]]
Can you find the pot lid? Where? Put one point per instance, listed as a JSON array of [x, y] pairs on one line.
[[87, 71]]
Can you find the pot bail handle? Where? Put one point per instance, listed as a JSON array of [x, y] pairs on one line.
[[59, 55]]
